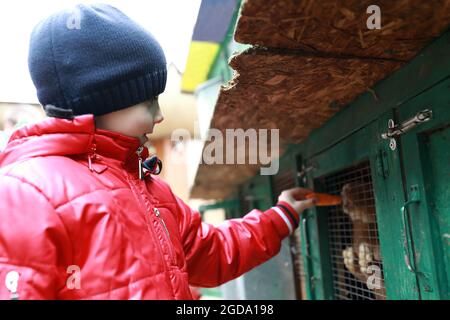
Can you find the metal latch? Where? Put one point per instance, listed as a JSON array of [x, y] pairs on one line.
[[305, 170], [395, 130]]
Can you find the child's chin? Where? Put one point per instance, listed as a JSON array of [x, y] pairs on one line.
[[143, 139]]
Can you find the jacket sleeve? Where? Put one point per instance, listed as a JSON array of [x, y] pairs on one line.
[[31, 238], [219, 254]]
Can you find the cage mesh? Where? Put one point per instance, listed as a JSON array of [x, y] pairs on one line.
[[282, 182], [354, 247]]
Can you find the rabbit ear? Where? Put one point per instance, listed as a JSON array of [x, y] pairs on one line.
[[153, 165]]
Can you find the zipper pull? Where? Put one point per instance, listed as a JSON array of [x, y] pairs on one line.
[[171, 250], [141, 170], [91, 156], [162, 220]]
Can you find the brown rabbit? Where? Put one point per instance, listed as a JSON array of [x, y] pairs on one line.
[[358, 204]]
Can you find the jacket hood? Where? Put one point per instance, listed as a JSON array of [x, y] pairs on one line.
[[69, 137]]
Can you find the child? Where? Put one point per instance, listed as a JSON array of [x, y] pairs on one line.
[[79, 217]]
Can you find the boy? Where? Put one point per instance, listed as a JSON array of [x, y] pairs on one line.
[[79, 219]]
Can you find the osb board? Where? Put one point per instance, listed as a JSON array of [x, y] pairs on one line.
[[294, 93], [340, 26]]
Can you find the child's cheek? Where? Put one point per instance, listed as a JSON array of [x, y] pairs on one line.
[[144, 124]]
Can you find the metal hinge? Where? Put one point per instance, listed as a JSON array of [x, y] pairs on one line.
[[396, 130]]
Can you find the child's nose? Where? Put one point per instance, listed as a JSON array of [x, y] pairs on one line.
[[159, 119]]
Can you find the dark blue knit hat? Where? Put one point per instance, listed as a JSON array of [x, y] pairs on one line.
[[93, 59]]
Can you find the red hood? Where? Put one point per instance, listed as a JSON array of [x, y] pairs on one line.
[[62, 137]]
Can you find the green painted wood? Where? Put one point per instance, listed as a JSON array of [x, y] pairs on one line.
[[400, 283], [363, 145], [320, 276], [310, 279], [346, 154], [426, 160]]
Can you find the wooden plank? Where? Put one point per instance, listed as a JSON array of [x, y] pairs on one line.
[[340, 27]]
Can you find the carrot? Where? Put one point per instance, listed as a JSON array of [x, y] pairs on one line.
[[324, 199]]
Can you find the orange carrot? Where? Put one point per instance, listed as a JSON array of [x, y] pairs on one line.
[[324, 199]]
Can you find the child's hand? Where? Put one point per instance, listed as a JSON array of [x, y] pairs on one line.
[[296, 197]]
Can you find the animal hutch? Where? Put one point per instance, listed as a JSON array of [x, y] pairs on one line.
[[393, 229], [387, 153]]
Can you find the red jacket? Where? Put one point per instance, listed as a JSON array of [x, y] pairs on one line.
[[71, 232]]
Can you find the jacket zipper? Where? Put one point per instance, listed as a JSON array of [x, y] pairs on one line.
[[153, 231], [169, 242], [92, 156], [155, 210], [141, 173]]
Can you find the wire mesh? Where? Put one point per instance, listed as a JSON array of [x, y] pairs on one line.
[[282, 182], [354, 244]]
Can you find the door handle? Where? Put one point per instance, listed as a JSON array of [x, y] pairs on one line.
[[406, 235], [305, 237]]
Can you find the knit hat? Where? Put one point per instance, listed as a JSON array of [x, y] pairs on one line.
[[94, 59]]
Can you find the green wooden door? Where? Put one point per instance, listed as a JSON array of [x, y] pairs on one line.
[[401, 284], [425, 152], [363, 146]]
